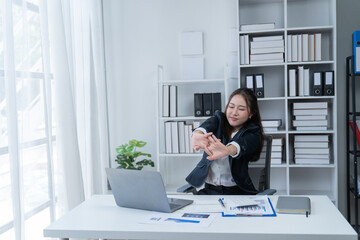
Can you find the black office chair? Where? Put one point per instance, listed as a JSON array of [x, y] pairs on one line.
[[264, 178]]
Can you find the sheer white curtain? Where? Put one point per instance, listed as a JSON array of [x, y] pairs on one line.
[[76, 40], [29, 138]]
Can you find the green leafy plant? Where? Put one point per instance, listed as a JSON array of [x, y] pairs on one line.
[[127, 156]]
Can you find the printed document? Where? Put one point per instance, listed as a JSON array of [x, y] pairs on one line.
[[184, 219], [263, 207]]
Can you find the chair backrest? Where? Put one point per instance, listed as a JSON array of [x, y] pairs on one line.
[[264, 179]]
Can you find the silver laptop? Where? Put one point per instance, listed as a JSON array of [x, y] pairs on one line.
[[142, 190]]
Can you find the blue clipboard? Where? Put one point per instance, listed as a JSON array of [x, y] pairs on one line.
[[273, 214]]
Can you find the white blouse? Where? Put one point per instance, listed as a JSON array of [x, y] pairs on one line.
[[219, 170]]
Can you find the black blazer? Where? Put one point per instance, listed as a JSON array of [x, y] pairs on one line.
[[248, 138]]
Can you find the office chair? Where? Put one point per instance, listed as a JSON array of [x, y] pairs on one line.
[[264, 179]]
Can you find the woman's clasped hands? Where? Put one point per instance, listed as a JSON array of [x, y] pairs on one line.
[[211, 145]]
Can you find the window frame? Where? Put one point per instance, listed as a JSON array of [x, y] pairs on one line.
[[19, 216]]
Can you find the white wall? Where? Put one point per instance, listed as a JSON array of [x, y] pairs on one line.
[[139, 35]]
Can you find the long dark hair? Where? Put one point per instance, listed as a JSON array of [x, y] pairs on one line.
[[252, 103]]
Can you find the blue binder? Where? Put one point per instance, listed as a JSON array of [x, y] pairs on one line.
[[356, 51]]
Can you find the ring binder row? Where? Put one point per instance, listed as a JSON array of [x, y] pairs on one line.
[[256, 83], [178, 136], [299, 83], [323, 83], [205, 104], [304, 47], [170, 98]]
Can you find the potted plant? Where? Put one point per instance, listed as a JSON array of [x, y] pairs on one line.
[[127, 155]]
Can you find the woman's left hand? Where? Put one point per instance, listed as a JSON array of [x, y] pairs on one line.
[[216, 148]]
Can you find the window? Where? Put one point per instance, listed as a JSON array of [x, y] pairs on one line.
[[27, 133]]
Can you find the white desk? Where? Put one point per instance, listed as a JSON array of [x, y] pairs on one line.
[[99, 217]]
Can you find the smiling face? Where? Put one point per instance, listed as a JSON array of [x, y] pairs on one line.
[[237, 112]]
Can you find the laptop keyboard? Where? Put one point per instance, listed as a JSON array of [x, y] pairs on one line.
[[174, 205]]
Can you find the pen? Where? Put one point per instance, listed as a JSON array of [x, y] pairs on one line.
[[221, 202], [182, 220]]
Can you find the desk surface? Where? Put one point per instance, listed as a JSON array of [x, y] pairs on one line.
[[99, 217]]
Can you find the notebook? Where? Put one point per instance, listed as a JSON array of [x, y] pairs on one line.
[[293, 204], [142, 190]]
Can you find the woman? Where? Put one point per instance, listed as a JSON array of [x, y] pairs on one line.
[[230, 140]]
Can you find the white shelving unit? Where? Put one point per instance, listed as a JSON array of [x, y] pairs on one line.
[[175, 167], [295, 17]]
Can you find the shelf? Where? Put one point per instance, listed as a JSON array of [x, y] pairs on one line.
[[276, 132], [215, 80], [311, 165], [245, 2], [354, 75], [356, 153], [183, 118], [311, 63], [283, 165], [311, 97], [306, 14], [291, 18], [270, 99], [352, 161], [312, 132], [272, 31], [311, 29], [261, 65], [180, 154]]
